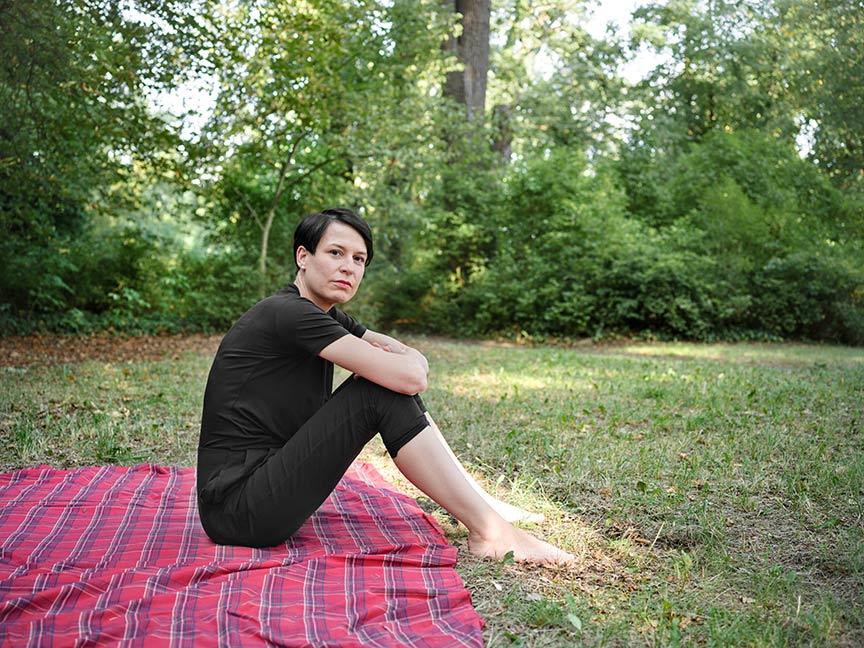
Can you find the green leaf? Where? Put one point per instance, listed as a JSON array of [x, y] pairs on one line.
[[575, 621]]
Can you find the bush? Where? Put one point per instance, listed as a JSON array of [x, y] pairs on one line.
[[210, 291], [126, 280], [567, 262], [570, 261], [781, 240], [810, 294]]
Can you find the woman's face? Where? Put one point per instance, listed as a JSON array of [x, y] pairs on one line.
[[333, 274]]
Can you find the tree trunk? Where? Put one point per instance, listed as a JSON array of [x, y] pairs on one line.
[[262, 259], [468, 86], [503, 130], [281, 187], [271, 215]]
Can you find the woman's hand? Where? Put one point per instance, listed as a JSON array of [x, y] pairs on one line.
[[420, 358], [383, 347], [398, 347], [384, 342]]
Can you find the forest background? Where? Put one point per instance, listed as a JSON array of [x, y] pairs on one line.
[[518, 184]]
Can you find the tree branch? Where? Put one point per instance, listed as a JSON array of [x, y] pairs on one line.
[[312, 170], [280, 184], [251, 209]]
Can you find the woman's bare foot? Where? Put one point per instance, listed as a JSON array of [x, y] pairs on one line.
[[514, 513], [525, 547]]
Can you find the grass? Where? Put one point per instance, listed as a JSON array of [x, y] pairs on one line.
[[713, 493]]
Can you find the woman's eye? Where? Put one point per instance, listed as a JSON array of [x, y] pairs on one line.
[[335, 252]]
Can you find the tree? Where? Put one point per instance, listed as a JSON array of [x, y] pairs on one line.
[[304, 91], [552, 83], [468, 85], [73, 118], [727, 69], [827, 74]]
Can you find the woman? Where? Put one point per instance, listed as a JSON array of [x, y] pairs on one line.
[[274, 440]]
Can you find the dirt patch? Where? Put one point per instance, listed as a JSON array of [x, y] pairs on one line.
[[22, 351]]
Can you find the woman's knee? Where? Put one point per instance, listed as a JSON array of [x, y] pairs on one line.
[[367, 385], [379, 396], [395, 416]]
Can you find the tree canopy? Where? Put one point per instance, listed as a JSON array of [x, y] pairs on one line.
[[517, 182]]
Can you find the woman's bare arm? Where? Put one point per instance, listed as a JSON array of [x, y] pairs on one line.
[[403, 371], [384, 341], [392, 345]]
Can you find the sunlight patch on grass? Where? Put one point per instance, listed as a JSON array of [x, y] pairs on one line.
[[502, 384], [752, 353]]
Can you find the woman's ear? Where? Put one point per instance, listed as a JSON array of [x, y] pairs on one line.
[[301, 256]]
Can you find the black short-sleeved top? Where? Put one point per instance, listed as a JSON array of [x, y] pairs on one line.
[[267, 378]]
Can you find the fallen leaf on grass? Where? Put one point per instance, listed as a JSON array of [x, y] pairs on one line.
[[575, 621]]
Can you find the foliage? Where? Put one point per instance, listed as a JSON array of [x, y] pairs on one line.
[[785, 68], [682, 206], [307, 93], [749, 240], [72, 78], [552, 83], [751, 204], [726, 70], [575, 265], [828, 76]]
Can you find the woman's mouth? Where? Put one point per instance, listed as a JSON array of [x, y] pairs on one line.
[[344, 284]]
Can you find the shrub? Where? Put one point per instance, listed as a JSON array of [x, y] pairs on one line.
[[810, 294]]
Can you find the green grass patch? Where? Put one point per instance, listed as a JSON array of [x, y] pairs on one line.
[[714, 494]]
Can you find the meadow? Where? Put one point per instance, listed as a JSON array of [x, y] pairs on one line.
[[713, 493]]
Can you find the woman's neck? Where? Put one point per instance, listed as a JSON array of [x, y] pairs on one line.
[[310, 295]]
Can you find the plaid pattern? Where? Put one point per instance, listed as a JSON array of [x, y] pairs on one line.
[[115, 555]]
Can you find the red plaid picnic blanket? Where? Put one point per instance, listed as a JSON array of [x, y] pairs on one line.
[[116, 555]]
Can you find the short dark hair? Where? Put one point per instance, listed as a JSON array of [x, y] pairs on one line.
[[312, 228]]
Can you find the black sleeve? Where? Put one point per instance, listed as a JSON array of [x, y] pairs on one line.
[[351, 325], [302, 325]]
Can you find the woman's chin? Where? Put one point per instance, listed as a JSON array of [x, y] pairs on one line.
[[342, 296]]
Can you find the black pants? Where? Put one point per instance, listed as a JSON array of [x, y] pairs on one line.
[[258, 498]]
